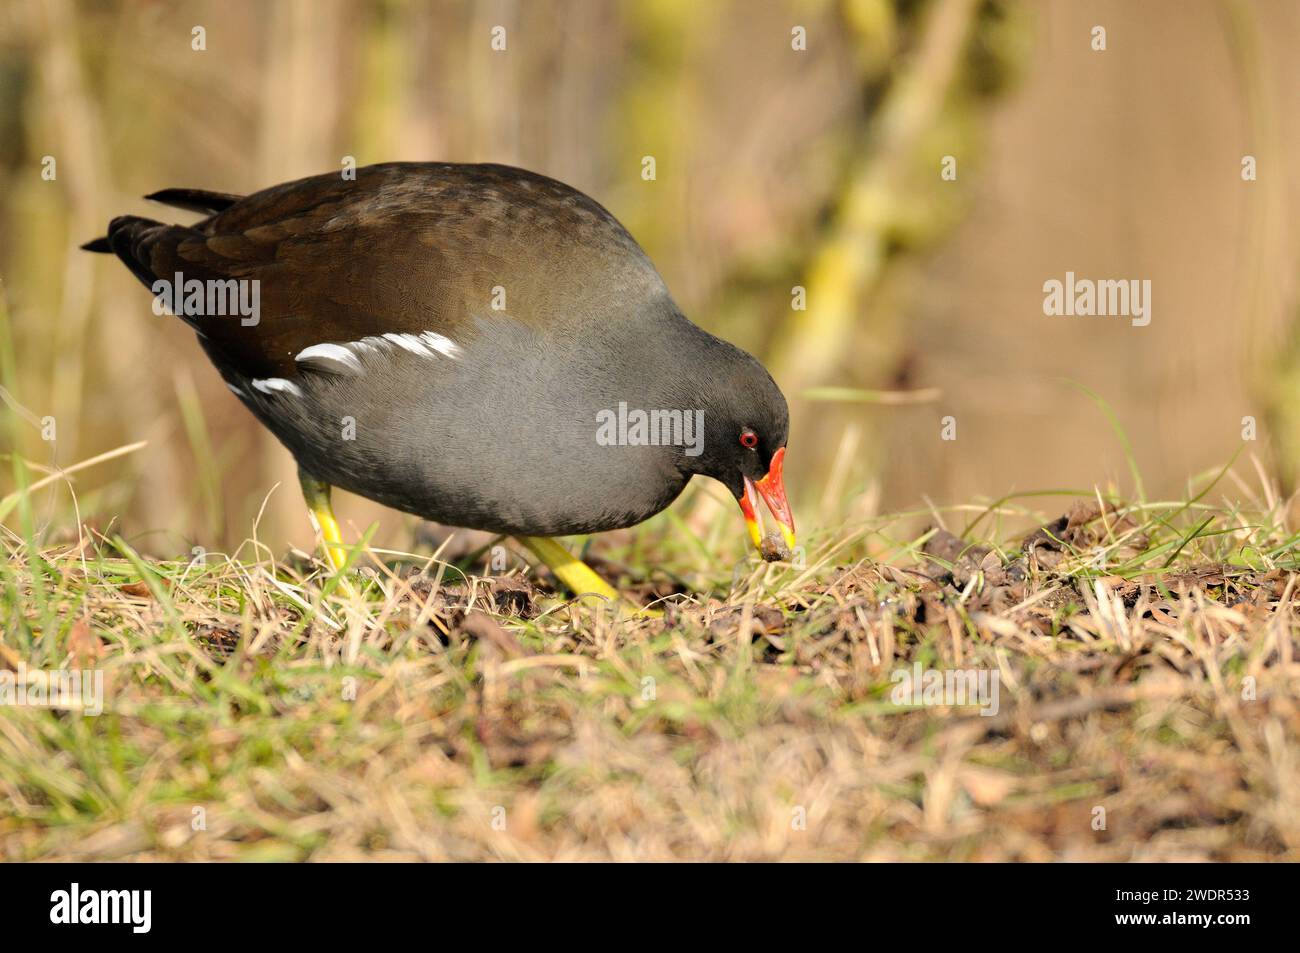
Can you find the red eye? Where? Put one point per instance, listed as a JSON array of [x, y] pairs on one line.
[[748, 438]]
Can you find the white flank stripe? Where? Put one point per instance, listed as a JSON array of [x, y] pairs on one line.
[[272, 385], [329, 353], [439, 343], [408, 341], [344, 357]]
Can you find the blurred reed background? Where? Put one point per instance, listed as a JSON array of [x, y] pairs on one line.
[[775, 168]]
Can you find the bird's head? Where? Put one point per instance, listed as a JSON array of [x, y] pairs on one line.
[[746, 427]]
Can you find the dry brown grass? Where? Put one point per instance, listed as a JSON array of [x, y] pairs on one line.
[[492, 720]]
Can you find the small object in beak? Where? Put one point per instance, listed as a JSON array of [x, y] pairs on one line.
[[772, 490], [773, 548]]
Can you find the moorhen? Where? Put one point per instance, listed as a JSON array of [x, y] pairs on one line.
[[474, 344]]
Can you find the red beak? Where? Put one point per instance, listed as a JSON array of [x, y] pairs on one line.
[[772, 489]]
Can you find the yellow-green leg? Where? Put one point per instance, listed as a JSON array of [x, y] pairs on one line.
[[577, 576], [317, 494]]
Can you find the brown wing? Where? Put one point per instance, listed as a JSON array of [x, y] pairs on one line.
[[405, 247]]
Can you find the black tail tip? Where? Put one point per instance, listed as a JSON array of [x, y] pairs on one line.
[[99, 245]]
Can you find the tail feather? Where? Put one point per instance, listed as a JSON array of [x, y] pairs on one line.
[[195, 200], [128, 239], [132, 228]]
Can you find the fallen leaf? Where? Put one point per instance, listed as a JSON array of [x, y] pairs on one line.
[[84, 645]]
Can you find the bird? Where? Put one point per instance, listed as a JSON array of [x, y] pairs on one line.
[[475, 344]]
